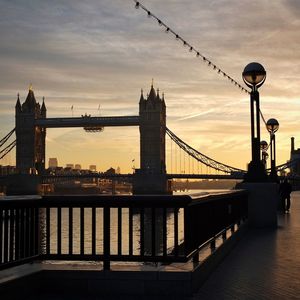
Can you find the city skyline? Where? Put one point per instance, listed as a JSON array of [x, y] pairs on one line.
[[86, 54]]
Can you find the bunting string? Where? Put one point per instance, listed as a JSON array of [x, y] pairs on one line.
[[191, 48]]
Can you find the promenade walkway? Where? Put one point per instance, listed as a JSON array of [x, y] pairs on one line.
[[264, 265]]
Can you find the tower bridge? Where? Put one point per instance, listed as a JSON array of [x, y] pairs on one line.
[[88, 121], [32, 122], [151, 177]]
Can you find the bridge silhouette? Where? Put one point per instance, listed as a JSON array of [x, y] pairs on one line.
[[152, 176], [185, 161]]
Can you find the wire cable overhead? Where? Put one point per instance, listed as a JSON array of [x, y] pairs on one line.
[[191, 48]]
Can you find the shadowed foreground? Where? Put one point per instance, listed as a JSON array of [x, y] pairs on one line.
[[264, 265]]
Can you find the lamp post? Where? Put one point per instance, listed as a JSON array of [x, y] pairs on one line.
[[254, 75], [272, 127], [264, 153]]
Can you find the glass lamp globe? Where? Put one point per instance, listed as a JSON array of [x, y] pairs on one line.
[[272, 125], [254, 75], [263, 145]]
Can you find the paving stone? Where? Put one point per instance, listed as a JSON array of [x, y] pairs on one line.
[[265, 264]]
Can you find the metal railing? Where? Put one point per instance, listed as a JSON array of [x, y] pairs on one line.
[[114, 228]]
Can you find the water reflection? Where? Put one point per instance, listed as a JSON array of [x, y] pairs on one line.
[[136, 233]]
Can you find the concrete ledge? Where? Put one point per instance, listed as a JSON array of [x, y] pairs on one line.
[[33, 281], [204, 269]]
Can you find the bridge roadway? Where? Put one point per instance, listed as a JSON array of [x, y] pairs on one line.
[[86, 121], [264, 265], [126, 176]]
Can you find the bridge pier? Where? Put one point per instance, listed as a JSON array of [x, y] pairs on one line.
[[22, 184], [152, 184]]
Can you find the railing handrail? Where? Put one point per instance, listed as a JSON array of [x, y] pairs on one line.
[[138, 201], [112, 201], [217, 196], [20, 221]]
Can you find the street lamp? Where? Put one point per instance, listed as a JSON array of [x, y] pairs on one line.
[[263, 145], [264, 154], [272, 127], [254, 75]]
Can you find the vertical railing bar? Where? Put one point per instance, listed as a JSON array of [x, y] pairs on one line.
[[189, 225], [32, 231], [5, 250], [176, 231], [70, 230], [17, 234], [119, 230], [153, 229], [48, 230], [106, 237], [22, 233], [93, 230], [11, 234], [130, 225], [58, 211], [82, 230], [142, 231], [1, 234], [37, 231], [27, 230], [164, 231]]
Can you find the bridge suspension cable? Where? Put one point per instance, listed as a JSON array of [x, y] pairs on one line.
[[7, 149], [191, 48], [286, 165], [209, 162], [4, 140]]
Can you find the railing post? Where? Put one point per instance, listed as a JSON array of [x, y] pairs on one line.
[[213, 245], [224, 235], [1, 234], [106, 238], [188, 231]]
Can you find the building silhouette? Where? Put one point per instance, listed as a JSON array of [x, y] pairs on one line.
[[295, 155], [30, 156], [53, 163], [93, 168]]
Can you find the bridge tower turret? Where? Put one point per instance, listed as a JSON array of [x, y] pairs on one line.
[[151, 177], [30, 147]]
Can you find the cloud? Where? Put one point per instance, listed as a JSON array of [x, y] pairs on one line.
[[86, 53]]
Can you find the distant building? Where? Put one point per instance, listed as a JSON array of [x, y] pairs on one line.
[[118, 170], [53, 163], [7, 170], [110, 171], [77, 167], [70, 166], [295, 155], [93, 168]]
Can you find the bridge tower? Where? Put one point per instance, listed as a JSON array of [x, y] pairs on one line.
[[151, 177], [30, 148]]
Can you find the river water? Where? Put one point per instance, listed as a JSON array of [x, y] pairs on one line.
[[114, 229]]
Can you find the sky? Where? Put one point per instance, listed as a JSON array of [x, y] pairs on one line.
[[88, 53]]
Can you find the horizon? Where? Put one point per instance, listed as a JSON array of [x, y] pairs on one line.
[[86, 54]]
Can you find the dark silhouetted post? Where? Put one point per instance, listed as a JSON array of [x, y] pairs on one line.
[[264, 154], [272, 127], [254, 76]]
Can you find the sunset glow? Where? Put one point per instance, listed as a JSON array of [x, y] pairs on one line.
[[90, 54]]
